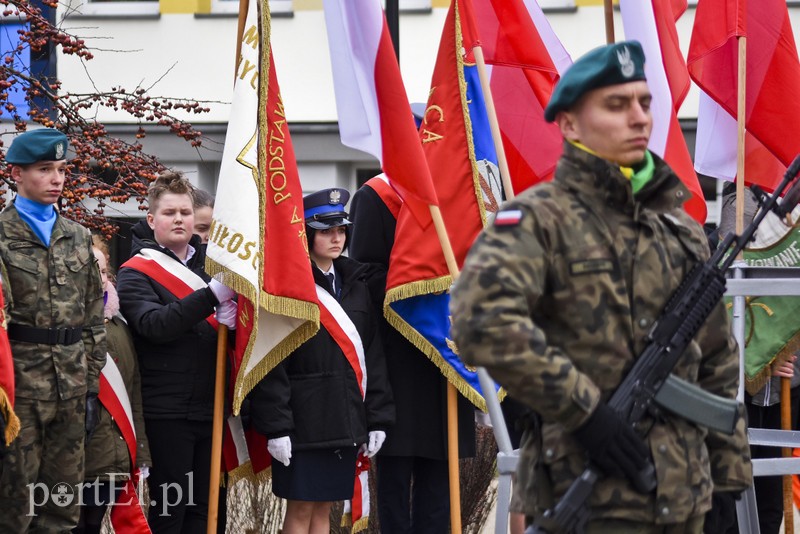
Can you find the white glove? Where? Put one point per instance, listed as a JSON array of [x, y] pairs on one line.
[[221, 291], [144, 472], [226, 314], [281, 449], [376, 439]]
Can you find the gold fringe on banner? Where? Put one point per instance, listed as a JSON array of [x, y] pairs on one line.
[[419, 288], [358, 526], [13, 425], [231, 279], [753, 384]]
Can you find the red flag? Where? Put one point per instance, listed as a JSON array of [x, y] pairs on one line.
[[374, 113], [652, 23], [7, 378], [772, 73], [459, 151], [525, 58]]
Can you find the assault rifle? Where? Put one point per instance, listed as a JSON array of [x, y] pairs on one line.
[[650, 387]]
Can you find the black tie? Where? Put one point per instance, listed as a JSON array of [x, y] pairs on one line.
[[331, 278]]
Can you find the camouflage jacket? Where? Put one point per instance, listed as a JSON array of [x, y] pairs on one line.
[[53, 287], [557, 307]]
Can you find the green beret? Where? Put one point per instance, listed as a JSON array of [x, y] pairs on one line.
[[612, 64], [44, 144]]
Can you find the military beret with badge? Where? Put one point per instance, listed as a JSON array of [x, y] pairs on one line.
[[612, 64], [43, 144], [325, 209]]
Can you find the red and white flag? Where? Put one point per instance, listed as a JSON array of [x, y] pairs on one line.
[[772, 73], [374, 112], [524, 60], [257, 241], [652, 23]]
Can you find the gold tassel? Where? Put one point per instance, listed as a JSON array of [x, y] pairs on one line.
[[13, 425]]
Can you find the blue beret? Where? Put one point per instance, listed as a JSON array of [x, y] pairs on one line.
[[325, 209], [612, 64], [44, 144]]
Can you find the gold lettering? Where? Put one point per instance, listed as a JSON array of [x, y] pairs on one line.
[[235, 242], [223, 234], [279, 107], [276, 164], [277, 151], [295, 218], [250, 37], [272, 177], [280, 197], [430, 137], [246, 68], [247, 250], [435, 108], [278, 125]]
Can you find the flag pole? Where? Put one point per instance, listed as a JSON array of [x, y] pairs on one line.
[[216, 436], [608, 11], [502, 161], [222, 345], [786, 424], [452, 394]]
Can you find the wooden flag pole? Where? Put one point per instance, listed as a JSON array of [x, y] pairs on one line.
[[222, 346], [608, 11], [786, 424], [502, 161], [452, 394], [216, 436]]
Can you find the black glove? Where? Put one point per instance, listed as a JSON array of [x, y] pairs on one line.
[[722, 515], [612, 445], [92, 414]]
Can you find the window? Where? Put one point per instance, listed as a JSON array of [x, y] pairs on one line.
[[557, 4], [112, 7], [232, 6]]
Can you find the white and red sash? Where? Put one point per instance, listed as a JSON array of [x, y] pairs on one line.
[[237, 443], [380, 184], [344, 332], [176, 277], [127, 515]]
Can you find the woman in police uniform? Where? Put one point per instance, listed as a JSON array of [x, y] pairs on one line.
[[316, 411]]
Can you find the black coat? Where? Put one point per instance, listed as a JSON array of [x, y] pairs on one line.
[[419, 388], [313, 395], [175, 344]]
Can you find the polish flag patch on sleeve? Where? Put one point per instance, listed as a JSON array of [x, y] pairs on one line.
[[508, 218]]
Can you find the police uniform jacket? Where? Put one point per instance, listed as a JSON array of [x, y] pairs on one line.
[[558, 305], [53, 287], [175, 344], [313, 395], [419, 388], [107, 451]]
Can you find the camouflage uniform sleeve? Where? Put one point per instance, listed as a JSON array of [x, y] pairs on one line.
[[492, 306], [94, 330], [729, 456]]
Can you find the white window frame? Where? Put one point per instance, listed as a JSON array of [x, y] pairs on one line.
[[232, 6], [112, 9], [556, 4]]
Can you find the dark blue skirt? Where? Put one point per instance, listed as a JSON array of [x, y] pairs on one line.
[[319, 475]]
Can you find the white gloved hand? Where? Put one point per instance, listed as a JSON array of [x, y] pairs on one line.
[[376, 439], [226, 314], [281, 449], [221, 291], [144, 472]]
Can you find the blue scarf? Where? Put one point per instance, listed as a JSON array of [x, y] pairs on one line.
[[40, 217]]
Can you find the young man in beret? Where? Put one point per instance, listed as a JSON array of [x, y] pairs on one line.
[[55, 324], [557, 297]]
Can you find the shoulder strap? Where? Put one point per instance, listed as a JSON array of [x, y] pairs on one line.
[[380, 184]]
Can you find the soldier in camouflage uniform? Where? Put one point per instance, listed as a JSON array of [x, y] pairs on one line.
[[557, 297], [57, 338]]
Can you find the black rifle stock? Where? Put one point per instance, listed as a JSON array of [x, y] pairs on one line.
[[682, 318]]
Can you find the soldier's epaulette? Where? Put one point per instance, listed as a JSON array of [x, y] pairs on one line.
[[508, 218]]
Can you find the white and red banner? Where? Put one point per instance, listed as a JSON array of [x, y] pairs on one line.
[[257, 241], [374, 112], [652, 23]]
